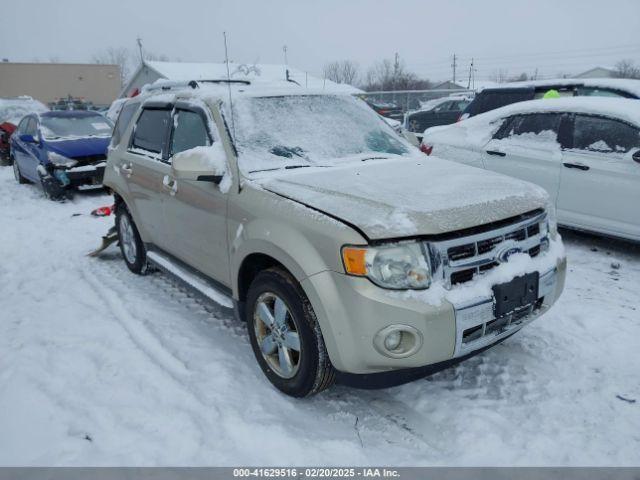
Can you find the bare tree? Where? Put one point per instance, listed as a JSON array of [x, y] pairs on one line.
[[627, 69], [390, 74], [499, 75], [344, 71], [115, 56]]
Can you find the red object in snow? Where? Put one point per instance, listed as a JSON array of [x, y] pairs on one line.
[[426, 148], [6, 130], [103, 211]]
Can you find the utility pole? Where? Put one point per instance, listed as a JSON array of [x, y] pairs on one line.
[[139, 40], [453, 66]]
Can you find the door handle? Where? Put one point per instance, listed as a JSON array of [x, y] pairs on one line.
[[579, 166], [126, 169], [170, 184], [495, 152]]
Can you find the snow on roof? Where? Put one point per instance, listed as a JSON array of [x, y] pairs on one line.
[[479, 129], [626, 85], [258, 73]]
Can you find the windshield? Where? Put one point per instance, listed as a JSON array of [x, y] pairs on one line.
[[65, 127], [12, 110], [297, 131]]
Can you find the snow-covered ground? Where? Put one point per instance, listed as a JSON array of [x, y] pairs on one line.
[[101, 367]]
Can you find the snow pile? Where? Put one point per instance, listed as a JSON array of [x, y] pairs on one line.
[[210, 160], [13, 109]]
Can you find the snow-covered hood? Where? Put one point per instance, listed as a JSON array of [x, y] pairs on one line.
[[403, 197]]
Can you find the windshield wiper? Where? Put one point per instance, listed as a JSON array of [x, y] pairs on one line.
[[373, 158], [287, 167]]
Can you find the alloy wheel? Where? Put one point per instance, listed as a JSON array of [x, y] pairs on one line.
[[127, 239], [277, 335]]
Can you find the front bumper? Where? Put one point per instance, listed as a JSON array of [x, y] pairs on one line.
[[351, 311], [81, 176]]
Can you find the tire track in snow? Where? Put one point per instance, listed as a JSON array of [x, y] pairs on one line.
[[139, 334]]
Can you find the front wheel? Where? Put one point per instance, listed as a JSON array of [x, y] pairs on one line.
[[131, 246], [285, 335]]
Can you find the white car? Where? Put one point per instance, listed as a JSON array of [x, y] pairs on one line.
[[584, 151]]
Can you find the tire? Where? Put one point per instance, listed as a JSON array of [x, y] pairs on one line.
[[309, 370], [132, 248], [16, 173]]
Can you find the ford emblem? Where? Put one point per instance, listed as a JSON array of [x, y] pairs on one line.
[[504, 255]]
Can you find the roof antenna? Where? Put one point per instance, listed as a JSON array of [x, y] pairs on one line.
[[226, 59]]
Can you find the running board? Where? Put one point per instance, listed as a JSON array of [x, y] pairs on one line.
[[191, 279]]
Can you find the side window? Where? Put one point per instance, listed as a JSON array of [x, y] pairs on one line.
[[600, 92], [538, 123], [189, 131], [31, 127], [506, 129], [604, 135], [124, 118], [151, 130], [22, 126]]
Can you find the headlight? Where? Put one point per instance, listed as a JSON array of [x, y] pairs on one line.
[[397, 266], [60, 160]]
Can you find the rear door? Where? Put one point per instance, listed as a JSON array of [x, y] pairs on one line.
[[144, 165], [527, 147], [195, 210], [600, 182]]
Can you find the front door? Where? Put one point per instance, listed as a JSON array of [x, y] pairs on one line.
[[196, 211], [600, 181], [527, 147]]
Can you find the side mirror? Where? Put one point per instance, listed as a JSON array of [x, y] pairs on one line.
[[205, 164], [636, 156], [26, 138]]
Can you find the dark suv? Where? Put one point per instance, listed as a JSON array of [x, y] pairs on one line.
[[492, 98]]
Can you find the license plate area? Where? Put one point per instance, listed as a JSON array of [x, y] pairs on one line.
[[517, 293]]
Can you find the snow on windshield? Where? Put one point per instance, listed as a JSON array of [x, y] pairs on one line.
[[70, 127], [297, 130]]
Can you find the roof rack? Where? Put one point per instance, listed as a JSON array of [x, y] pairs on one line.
[[171, 85]]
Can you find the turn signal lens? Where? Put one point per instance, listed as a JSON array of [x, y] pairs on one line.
[[354, 260]]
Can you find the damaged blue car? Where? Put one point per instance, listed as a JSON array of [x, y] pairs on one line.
[[61, 150]]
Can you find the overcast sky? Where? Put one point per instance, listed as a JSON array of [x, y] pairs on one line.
[[550, 35]]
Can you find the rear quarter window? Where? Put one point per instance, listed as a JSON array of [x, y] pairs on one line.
[[124, 118], [151, 130]]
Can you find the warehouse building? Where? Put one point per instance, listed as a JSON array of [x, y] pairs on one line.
[[49, 82]]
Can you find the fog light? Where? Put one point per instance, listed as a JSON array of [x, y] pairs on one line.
[[392, 341], [398, 341]]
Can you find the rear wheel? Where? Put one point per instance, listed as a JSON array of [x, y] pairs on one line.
[[16, 172], [285, 335], [131, 246]]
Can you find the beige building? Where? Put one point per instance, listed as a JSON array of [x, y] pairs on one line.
[[49, 82]]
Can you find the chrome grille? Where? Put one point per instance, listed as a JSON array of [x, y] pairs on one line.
[[460, 259]]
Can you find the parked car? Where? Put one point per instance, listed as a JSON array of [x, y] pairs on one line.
[[387, 109], [492, 98], [584, 151], [347, 254], [61, 150], [11, 111], [441, 111]]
